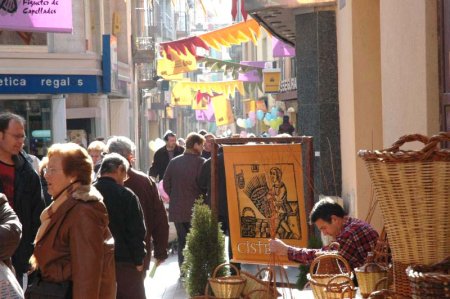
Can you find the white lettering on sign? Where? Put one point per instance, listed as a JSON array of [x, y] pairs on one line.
[[254, 247], [62, 82], [288, 84], [10, 81]]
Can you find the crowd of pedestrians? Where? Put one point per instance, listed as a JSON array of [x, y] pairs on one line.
[[85, 221]]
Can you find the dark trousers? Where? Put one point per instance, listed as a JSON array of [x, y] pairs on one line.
[[182, 231], [130, 282]]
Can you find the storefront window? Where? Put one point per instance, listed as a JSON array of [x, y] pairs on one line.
[[19, 38], [37, 114]]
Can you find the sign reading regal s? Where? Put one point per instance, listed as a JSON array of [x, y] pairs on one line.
[[36, 15]]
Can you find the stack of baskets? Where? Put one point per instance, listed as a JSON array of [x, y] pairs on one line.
[[319, 281], [431, 282], [413, 191]]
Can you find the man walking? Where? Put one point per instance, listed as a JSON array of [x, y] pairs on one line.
[[145, 188], [181, 184], [21, 185], [126, 222], [164, 155]]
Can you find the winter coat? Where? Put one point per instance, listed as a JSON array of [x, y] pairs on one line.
[[154, 214], [28, 205], [78, 246], [182, 185], [10, 230], [126, 220], [161, 160]]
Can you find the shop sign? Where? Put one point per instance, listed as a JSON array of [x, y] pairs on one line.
[[36, 15], [49, 84], [271, 79], [110, 64], [288, 84]]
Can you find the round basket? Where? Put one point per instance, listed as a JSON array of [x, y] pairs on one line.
[[431, 282], [227, 286], [329, 266], [368, 276], [320, 281], [340, 287], [254, 282], [413, 191]]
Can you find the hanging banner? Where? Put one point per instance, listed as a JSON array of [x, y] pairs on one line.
[[265, 199], [36, 16], [280, 49], [178, 65], [222, 110], [253, 75], [271, 80]]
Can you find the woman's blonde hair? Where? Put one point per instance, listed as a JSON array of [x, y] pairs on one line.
[[76, 161]]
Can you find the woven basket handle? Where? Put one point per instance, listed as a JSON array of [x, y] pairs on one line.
[[379, 282], [340, 286], [268, 270], [238, 273], [327, 256], [334, 246], [431, 144]]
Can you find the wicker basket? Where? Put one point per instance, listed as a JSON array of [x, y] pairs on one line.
[[320, 281], [413, 189], [329, 266], [431, 282], [254, 282], [340, 287], [368, 276], [227, 286]]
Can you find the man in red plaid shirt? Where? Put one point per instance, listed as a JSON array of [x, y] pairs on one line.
[[356, 237]]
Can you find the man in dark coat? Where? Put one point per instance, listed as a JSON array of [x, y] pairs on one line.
[[21, 185], [181, 184], [126, 222], [163, 156], [145, 188], [286, 126]]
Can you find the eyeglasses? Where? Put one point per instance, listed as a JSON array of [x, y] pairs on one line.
[[50, 171], [17, 136]]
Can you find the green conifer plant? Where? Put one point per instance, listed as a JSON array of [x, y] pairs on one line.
[[204, 251]]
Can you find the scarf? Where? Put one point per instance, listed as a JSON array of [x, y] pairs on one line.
[[48, 212]]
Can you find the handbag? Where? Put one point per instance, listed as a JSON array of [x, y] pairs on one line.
[[9, 286], [41, 289]]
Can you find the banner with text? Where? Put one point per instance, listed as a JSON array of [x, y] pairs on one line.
[[36, 15], [265, 199]]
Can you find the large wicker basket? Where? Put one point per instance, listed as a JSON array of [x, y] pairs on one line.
[[227, 286], [430, 282], [413, 191], [368, 277], [320, 281], [255, 282]]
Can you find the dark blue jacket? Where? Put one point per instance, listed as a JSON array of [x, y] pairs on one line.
[[28, 205]]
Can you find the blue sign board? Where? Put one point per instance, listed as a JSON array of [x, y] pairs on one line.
[[49, 84]]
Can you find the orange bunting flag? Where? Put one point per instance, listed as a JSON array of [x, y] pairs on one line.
[[233, 35], [222, 110]]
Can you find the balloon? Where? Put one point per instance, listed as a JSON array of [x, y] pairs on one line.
[[241, 123], [266, 122], [259, 114], [268, 116], [272, 132], [279, 121], [248, 123], [273, 124], [243, 134], [252, 115], [274, 112]]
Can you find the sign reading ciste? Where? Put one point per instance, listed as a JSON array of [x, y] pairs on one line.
[[52, 84]]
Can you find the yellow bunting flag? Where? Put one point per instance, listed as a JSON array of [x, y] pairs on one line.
[[226, 88], [179, 64], [265, 199], [222, 110]]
